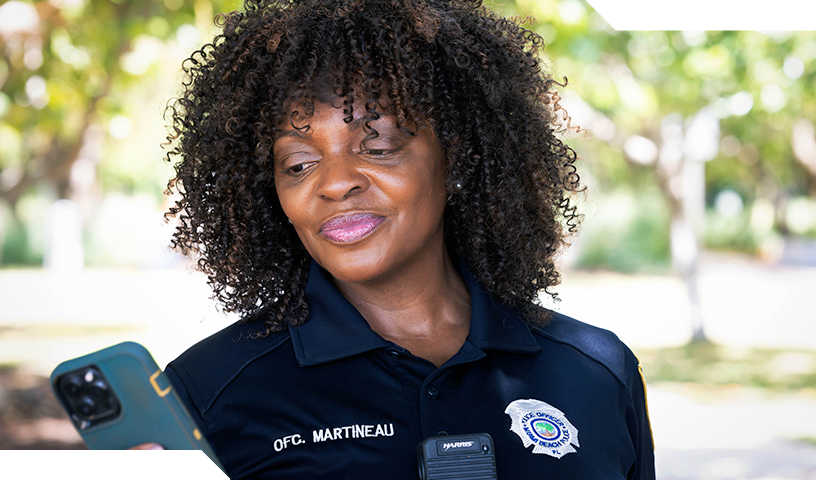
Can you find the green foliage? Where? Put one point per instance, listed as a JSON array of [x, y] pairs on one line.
[[757, 84], [738, 173], [731, 233], [16, 249], [801, 216], [84, 64], [708, 364], [100, 64], [631, 235], [22, 230]]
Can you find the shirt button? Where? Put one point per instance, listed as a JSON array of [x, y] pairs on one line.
[[441, 433], [433, 391]]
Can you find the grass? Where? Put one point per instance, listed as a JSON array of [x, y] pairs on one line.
[[708, 364], [808, 440], [8, 332]]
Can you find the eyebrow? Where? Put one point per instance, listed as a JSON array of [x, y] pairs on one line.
[[353, 125]]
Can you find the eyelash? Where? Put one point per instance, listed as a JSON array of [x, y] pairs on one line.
[[381, 152], [302, 166], [377, 152], [373, 152]]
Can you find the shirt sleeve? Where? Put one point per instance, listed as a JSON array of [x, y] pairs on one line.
[[639, 426], [184, 395]]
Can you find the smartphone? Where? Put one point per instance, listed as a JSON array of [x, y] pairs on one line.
[[118, 398], [468, 456]]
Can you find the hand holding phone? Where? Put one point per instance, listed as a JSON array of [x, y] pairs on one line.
[[118, 398], [147, 446]]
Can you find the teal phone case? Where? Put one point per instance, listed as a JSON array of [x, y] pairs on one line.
[[148, 410]]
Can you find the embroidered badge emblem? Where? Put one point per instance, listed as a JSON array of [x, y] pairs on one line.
[[545, 427]]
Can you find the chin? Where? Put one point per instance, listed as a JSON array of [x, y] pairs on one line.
[[376, 258], [361, 267]]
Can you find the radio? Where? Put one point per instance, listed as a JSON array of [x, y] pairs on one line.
[[451, 457]]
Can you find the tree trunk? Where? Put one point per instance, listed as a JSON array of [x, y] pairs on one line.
[[683, 176]]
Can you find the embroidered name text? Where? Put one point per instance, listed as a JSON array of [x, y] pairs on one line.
[[353, 431]]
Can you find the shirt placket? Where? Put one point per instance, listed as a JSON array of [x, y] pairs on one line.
[[442, 403]]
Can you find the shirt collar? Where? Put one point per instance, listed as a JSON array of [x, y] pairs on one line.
[[336, 329]]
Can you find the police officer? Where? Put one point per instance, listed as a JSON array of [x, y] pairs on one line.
[[378, 188]]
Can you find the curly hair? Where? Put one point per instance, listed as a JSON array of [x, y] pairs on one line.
[[475, 77]]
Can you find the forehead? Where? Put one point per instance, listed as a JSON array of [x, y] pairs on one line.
[[358, 95], [355, 108], [322, 115], [326, 116], [333, 85]]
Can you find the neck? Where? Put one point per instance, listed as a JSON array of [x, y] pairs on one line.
[[424, 309]]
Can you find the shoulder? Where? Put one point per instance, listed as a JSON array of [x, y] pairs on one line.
[[604, 348], [209, 366], [598, 345]]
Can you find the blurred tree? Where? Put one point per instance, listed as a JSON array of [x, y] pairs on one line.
[[64, 67], [68, 66], [700, 112], [81, 84]]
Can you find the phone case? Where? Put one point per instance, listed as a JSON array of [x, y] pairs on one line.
[[143, 408]]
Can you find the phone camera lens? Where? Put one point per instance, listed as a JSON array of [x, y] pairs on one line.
[[110, 404], [86, 407], [88, 397], [98, 389], [73, 385]]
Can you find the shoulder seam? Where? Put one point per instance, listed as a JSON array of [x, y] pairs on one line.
[[191, 388], [582, 352], [220, 373], [229, 377]]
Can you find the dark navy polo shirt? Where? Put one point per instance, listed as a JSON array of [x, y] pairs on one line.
[[333, 400]]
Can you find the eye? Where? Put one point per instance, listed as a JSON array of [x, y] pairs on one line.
[[299, 168], [295, 162], [380, 147], [377, 152]]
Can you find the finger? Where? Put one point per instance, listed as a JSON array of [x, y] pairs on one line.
[[147, 446]]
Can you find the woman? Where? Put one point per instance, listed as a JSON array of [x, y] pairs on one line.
[[377, 188]]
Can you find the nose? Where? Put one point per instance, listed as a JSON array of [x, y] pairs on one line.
[[341, 178]]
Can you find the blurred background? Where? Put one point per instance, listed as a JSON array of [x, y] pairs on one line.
[[698, 246]]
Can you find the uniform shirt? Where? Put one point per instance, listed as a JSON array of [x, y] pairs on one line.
[[331, 399]]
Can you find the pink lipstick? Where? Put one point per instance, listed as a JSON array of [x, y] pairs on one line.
[[350, 228]]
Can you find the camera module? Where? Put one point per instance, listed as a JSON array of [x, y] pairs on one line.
[[88, 396]]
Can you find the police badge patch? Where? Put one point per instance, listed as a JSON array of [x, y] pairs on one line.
[[544, 426]]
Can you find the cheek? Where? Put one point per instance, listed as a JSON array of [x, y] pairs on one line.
[[289, 201], [295, 206], [431, 201], [436, 184]]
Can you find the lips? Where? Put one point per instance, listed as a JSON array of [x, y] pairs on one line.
[[350, 228]]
